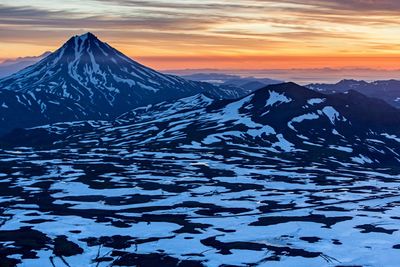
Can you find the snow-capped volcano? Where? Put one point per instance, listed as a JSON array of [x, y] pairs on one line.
[[101, 80]]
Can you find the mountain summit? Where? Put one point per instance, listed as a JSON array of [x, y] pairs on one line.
[[93, 76]]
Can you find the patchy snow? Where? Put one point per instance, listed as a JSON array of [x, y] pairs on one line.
[[284, 144], [267, 130], [299, 119], [277, 98], [361, 159], [315, 101], [392, 137], [333, 114], [342, 148]]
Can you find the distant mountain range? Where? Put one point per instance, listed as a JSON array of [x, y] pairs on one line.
[[11, 66], [285, 120], [388, 90], [248, 84], [88, 79]]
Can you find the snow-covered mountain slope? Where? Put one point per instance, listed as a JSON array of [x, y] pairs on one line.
[[283, 177], [101, 80], [283, 120], [36, 108]]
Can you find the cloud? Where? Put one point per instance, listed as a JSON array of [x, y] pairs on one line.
[[370, 6], [26, 16], [210, 27]]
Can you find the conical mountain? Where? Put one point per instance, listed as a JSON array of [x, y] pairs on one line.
[[100, 80]]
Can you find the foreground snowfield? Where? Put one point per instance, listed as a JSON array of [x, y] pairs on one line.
[[188, 207]]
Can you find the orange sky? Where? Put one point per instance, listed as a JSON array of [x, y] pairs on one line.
[[272, 62], [179, 34]]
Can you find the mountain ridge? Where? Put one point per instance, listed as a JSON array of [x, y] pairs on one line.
[[286, 121], [386, 90]]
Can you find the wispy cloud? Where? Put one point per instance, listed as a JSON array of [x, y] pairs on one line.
[[209, 27]]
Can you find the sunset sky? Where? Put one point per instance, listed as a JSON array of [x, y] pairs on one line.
[[252, 34]]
